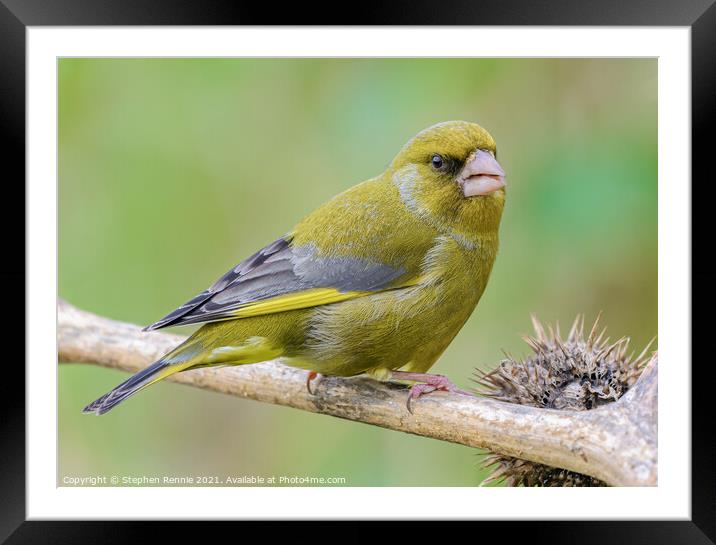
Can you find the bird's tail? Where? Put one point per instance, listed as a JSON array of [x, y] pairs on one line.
[[176, 361], [195, 352]]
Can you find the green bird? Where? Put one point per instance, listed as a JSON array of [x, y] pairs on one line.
[[377, 280]]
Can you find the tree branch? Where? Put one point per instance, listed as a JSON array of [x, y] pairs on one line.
[[616, 443]]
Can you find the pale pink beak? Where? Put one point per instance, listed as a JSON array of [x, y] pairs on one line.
[[481, 175]]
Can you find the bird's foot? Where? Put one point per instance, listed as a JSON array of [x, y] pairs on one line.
[[313, 375], [427, 383]]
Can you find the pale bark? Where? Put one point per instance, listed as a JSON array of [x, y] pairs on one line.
[[616, 443]]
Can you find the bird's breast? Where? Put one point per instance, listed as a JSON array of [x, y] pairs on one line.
[[453, 267]]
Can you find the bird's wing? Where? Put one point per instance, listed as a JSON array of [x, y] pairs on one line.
[[283, 277]]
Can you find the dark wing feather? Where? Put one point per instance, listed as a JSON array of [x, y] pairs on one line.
[[249, 266], [276, 270]]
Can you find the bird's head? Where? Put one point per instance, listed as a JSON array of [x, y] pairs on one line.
[[449, 175]]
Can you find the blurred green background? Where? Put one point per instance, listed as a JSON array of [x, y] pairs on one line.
[[173, 170]]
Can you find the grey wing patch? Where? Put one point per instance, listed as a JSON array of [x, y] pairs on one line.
[[279, 269], [341, 272]]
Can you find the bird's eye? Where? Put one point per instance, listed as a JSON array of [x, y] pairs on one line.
[[437, 161]]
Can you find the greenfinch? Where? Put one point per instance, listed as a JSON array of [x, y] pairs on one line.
[[378, 280]]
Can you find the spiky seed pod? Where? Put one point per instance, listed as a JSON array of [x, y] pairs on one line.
[[577, 374]]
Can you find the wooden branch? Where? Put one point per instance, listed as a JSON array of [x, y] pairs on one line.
[[616, 443]]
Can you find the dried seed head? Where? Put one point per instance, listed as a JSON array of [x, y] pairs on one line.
[[574, 374]]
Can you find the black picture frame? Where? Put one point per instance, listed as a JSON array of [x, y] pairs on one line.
[[17, 15]]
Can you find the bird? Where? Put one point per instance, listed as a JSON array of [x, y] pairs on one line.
[[376, 281]]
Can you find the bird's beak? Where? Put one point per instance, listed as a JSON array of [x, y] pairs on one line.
[[481, 175]]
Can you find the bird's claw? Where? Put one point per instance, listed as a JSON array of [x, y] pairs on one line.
[[430, 383], [311, 376], [416, 391]]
